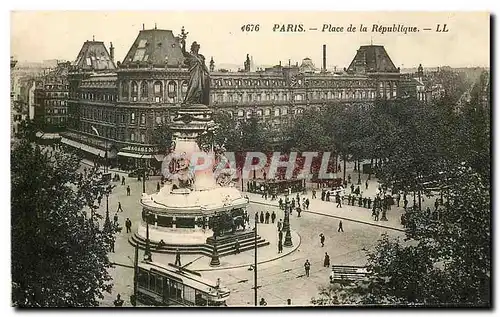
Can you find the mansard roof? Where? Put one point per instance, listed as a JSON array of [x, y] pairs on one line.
[[372, 59], [155, 47], [94, 56]]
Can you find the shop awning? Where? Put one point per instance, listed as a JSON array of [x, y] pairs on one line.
[[85, 147]]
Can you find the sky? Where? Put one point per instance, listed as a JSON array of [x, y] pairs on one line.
[[42, 35]]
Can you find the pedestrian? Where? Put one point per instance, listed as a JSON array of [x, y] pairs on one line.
[[262, 191], [307, 203], [273, 217], [119, 207], [289, 302], [115, 218], [314, 194], [339, 169], [307, 267], [280, 225], [158, 186], [128, 225], [237, 246], [128, 190], [112, 245], [293, 203], [398, 197], [322, 239], [256, 218], [161, 244], [340, 227], [349, 180], [280, 235], [261, 216], [436, 204], [118, 302], [262, 302], [298, 211], [338, 200], [428, 212], [405, 204], [323, 195], [268, 215], [280, 246], [369, 202], [366, 184], [326, 261], [281, 203], [177, 257], [327, 197], [123, 180]]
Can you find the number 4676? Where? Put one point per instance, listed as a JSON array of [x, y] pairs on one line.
[[250, 28]]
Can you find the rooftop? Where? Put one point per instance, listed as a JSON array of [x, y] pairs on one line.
[[94, 56], [157, 47], [372, 59]]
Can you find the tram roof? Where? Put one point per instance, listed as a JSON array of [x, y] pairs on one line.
[[187, 278]]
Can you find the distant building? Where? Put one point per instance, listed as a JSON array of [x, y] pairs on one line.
[[126, 103]]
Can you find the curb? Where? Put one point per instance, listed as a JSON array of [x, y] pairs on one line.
[[337, 217], [295, 247], [245, 265]]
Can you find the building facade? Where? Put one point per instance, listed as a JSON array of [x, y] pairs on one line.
[[115, 111]]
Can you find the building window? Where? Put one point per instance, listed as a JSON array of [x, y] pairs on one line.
[[124, 89], [284, 111], [184, 88], [267, 112], [132, 136], [132, 117], [240, 113], [158, 91], [277, 112], [144, 89], [143, 118], [259, 113], [135, 91], [143, 138], [172, 89]]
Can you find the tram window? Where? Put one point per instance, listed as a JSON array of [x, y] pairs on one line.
[[189, 294], [159, 284], [175, 291], [199, 300], [152, 282]]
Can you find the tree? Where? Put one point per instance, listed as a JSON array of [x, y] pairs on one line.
[[59, 249], [162, 137]]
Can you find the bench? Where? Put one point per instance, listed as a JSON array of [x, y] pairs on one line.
[[347, 273]]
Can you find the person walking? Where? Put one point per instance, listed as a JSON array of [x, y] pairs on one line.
[[273, 217], [298, 211], [118, 302], [398, 197], [123, 180], [314, 194], [256, 218], [366, 184], [322, 239], [115, 218], [268, 215], [119, 207], [128, 190], [307, 267], [307, 203], [326, 261], [340, 227], [280, 246], [237, 246], [261, 216], [128, 225], [280, 224], [405, 204], [338, 200], [158, 186], [177, 257], [436, 204], [280, 235], [112, 245]]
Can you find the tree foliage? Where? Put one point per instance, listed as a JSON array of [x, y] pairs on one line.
[[59, 249]]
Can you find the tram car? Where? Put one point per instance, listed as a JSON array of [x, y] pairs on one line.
[[160, 285]]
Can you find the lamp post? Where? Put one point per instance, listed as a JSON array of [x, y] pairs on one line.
[[147, 253], [215, 255], [255, 266], [286, 226]]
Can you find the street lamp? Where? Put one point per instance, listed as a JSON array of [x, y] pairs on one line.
[[286, 227], [105, 148], [147, 253], [215, 255]]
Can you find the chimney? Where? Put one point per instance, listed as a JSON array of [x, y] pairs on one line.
[[280, 63], [289, 63], [111, 51], [143, 26], [324, 57]]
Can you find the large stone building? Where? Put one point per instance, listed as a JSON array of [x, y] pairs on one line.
[[51, 96], [114, 110]]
